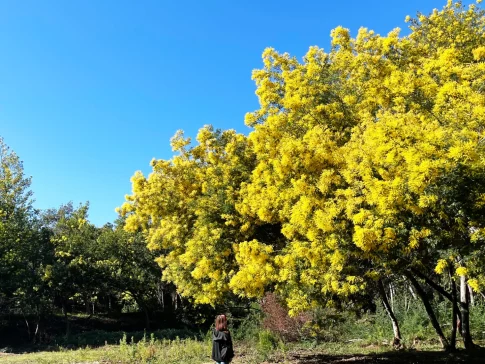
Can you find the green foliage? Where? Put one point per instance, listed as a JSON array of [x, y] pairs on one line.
[[416, 328], [267, 343], [73, 277], [327, 324], [249, 327], [477, 321], [25, 251], [128, 267]]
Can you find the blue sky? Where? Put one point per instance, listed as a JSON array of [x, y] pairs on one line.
[[92, 90]]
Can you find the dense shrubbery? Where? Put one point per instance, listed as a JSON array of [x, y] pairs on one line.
[[331, 325]]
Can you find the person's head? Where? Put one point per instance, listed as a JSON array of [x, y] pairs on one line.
[[221, 323]]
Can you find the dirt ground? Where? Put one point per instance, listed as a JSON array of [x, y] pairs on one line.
[[399, 357]]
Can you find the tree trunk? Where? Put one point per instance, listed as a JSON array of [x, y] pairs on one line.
[[432, 284], [39, 330], [147, 318], [472, 298], [395, 325], [434, 321], [140, 302], [174, 300], [38, 333], [391, 295], [465, 314], [454, 317], [412, 292], [66, 317], [405, 301], [27, 324], [438, 289]]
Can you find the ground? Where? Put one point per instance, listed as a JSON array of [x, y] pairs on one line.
[[334, 354]]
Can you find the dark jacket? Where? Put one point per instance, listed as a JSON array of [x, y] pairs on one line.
[[222, 346]]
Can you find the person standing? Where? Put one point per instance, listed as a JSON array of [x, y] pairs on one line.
[[222, 350]]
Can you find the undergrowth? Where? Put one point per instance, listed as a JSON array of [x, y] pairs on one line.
[[258, 340]]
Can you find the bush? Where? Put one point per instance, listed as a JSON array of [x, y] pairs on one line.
[[267, 343], [277, 320], [247, 328], [328, 324]]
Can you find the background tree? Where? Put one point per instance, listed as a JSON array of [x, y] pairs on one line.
[[24, 247], [129, 268]]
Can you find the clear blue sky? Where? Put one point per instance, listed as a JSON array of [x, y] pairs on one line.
[[92, 90]]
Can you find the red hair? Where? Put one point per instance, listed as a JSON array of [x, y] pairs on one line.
[[221, 323]]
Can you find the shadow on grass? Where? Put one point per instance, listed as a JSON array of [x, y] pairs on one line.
[[98, 338], [398, 357]]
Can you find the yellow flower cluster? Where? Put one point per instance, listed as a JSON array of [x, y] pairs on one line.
[[359, 162]]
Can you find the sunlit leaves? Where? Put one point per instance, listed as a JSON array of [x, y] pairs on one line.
[[367, 158]]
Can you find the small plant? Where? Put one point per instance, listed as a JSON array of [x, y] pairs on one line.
[[267, 343]]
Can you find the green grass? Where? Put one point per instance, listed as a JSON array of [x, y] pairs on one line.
[[339, 339], [148, 351], [196, 351]]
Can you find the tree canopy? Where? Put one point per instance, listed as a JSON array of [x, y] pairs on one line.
[[363, 162]]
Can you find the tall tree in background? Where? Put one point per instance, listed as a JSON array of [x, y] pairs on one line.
[[73, 276], [16, 214], [129, 269], [24, 246]]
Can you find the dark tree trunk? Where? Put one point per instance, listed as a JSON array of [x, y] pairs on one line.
[[432, 284], [395, 325], [465, 314], [66, 317], [429, 310], [440, 290], [455, 313], [141, 303], [147, 318]]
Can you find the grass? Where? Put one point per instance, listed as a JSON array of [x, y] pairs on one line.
[[197, 351], [339, 339], [145, 351]]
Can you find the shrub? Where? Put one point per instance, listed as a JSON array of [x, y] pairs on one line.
[[277, 320]]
